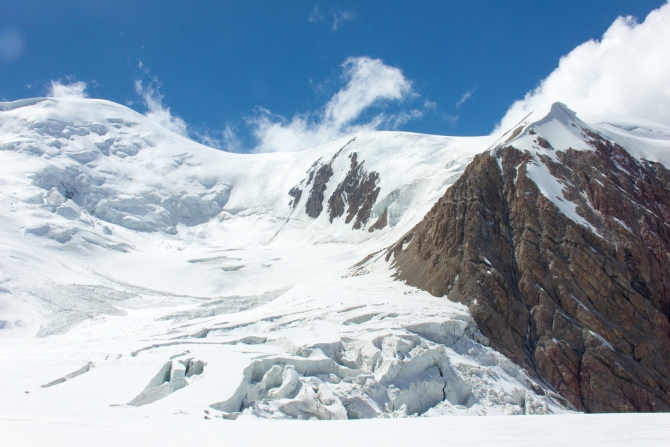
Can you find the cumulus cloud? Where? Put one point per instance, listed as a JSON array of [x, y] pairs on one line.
[[627, 72], [153, 100], [71, 90], [467, 95], [368, 84]]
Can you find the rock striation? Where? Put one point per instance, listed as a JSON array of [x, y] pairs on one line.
[[562, 256]]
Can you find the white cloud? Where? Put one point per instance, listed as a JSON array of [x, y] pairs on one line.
[[315, 16], [143, 67], [369, 83], [340, 17], [156, 112], [227, 141], [368, 87], [451, 119], [467, 95], [337, 17], [627, 72], [72, 90]]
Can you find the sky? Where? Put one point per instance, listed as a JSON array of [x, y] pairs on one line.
[[263, 76]]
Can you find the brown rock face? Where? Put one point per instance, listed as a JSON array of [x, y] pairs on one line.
[[296, 193], [381, 222], [586, 309], [321, 176]]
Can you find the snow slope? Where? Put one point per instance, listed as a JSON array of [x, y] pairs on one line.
[[143, 275]]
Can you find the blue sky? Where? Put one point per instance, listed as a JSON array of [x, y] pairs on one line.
[[230, 64]]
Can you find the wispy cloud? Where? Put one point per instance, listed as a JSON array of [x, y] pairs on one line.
[[143, 68], [225, 140], [625, 73], [335, 17], [59, 89], [368, 84], [368, 90], [315, 16], [340, 17], [451, 119], [156, 111], [467, 95]]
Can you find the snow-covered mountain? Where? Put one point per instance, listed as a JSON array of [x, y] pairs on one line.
[[143, 274]]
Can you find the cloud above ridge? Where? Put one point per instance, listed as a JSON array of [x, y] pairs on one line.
[[369, 84], [71, 90], [156, 111], [467, 95], [627, 72]]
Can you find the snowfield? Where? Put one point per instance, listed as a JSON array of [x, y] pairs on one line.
[[648, 430], [154, 290]]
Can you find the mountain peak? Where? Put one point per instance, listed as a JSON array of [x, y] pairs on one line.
[[549, 238], [542, 130]]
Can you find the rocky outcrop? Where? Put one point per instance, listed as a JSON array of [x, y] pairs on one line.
[[357, 193], [321, 176], [296, 193], [381, 222], [585, 306]]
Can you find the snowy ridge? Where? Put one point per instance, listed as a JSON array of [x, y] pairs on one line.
[[94, 151], [644, 139], [560, 126], [543, 132]]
